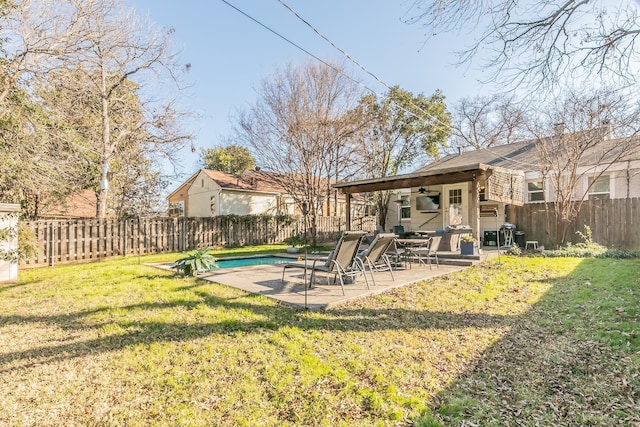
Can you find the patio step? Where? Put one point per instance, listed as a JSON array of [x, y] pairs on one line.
[[451, 258]]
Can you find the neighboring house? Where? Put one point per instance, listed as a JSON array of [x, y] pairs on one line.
[[441, 194], [212, 193], [78, 205]]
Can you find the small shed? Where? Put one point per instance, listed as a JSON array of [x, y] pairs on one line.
[[9, 223]]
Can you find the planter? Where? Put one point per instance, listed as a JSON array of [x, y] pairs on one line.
[[469, 248], [293, 250]]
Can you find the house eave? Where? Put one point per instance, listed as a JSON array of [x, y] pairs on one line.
[[423, 178]]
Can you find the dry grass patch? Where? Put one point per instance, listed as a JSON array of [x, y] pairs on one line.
[[118, 343]]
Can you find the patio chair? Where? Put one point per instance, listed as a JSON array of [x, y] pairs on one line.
[[375, 257], [427, 250], [399, 230], [342, 262], [396, 254]]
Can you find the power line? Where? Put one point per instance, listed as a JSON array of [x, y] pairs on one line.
[[379, 80], [294, 44], [342, 51], [346, 55], [362, 67]]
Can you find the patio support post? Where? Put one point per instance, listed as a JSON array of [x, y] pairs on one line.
[[348, 210], [475, 207]]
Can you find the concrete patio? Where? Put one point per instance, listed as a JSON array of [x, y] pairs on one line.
[[266, 280]]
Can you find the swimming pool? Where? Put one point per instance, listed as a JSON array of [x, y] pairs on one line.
[[251, 261]]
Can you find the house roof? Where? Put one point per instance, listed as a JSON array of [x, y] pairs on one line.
[[253, 181], [514, 158], [518, 156], [79, 205]]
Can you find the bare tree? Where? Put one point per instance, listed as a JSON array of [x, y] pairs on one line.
[[484, 122], [115, 48], [300, 127], [541, 41], [401, 130], [34, 33], [590, 134]]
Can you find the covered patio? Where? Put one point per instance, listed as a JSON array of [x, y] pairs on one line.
[[501, 185]]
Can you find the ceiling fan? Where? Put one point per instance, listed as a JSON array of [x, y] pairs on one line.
[[423, 190]]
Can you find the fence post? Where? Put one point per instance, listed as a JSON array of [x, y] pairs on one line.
[[52, 243]]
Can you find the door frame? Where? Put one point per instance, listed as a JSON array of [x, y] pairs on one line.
[[464, 187]]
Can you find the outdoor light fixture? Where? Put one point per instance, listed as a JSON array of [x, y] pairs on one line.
[[422, 190]]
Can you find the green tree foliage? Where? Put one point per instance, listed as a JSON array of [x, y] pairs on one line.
[[79, 105], [37, 167], [402, 129], [230, 159]]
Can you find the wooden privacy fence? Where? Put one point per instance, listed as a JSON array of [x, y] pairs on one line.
[[614, 223], [93, 239]]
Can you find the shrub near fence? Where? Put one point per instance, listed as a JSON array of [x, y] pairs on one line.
[[614, 223], [93, 239]]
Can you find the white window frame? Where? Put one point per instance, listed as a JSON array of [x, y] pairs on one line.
[[542, 191], [405, 206], [592, 181]]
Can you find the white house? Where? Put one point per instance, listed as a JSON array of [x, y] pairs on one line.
[[212, 193], [466, 188]]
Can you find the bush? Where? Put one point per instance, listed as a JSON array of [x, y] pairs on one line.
[[296, 239], [590, 249], [194, 262], [514, 250], [27, 244]]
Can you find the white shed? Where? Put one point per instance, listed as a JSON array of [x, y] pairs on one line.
[[9, 221]]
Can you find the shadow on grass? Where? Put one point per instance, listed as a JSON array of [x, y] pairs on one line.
[[7, 286], [564, 362], [570, 360], [260, 316]]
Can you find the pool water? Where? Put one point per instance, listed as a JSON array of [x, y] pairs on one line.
[[250, 261]]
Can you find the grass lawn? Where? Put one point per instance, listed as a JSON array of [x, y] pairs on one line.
[[533, 341]]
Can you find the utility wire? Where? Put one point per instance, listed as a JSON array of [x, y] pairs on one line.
[[350, 58], [379, 80], [294, 44], [325, 38]]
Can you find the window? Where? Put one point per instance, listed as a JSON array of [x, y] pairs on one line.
[[455, 206], [535, 191], [176, 209], [405, 207], [483, 191], [599, 188], [212, 205]]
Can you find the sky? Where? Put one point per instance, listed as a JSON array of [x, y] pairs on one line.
[[230, 54]]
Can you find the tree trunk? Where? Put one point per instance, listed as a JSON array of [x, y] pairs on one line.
[[107, 152]]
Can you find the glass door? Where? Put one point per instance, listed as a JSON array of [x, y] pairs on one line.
[[455, 205]]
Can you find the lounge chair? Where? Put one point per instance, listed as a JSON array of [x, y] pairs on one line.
[[375, 257], [342, 262]]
